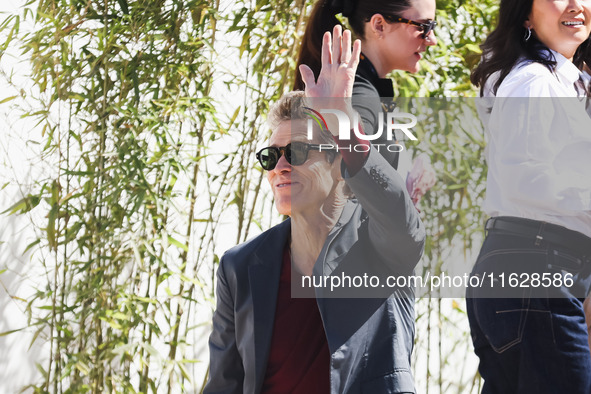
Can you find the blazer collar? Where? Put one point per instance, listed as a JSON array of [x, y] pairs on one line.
[[366, 70], [264, 272], [272, 246]]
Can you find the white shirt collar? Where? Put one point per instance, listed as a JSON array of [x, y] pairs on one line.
[[566, 71]]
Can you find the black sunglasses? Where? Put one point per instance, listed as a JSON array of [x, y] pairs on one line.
[[296, 154], [426, 27]]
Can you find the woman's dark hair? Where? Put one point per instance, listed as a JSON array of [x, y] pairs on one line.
[[506, 45], [323, 19]]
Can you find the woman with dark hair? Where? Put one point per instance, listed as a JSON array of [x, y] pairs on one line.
[[528, 322], [266, 341], [393, 33]]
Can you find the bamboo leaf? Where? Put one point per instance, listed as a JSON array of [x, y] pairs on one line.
[[151, 350], [36, 335], [7, 99], [23, 206], [5, 333], [184, 371], [178, 243], [124, 6], [31, 245], [83, 367], [40, 369], [51, 226]]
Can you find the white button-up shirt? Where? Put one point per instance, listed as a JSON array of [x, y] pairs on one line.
[[539, 146]]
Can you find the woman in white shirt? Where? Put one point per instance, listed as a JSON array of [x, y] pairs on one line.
[[527, 321]]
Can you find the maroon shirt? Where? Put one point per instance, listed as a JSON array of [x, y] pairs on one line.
[[299, 360]]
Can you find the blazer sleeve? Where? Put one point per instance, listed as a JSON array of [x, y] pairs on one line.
[[226, 372], [368, 104], [366, 101], [395, 228]]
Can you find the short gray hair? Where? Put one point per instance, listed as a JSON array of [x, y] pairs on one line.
[[291, 107]]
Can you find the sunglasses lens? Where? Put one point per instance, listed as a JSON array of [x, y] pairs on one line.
[[296, 153], [268, 158]]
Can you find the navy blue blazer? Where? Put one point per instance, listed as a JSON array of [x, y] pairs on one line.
[[370, 339]]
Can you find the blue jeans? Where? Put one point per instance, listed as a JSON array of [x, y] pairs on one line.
[[536, 341]]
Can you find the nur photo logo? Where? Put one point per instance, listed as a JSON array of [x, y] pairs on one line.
[[393, 122]]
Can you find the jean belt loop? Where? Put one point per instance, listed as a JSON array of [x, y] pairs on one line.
[[487, 227], [539, 237]]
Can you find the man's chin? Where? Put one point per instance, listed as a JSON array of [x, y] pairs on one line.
[[283, 209]]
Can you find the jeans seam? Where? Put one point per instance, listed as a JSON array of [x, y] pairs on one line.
[[522, 320], [525, 297], [517, 340]]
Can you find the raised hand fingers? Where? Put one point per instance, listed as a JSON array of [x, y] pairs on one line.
[[326, 50], [336, 49], [354, 59], [346, 47], [336, 44], [307, 76]]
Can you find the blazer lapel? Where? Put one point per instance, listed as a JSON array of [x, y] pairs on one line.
[[264, 273]]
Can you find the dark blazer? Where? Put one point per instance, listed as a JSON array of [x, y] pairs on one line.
[[370, 339]]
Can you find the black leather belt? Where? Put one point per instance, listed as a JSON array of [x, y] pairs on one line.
[[542, 232]]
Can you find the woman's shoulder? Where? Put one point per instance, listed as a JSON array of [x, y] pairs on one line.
[[364, 87], [525, 69], [527, 79]]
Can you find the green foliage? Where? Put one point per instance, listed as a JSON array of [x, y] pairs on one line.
[[452, 211], [128, 119], [461, 27], [453, 222], [130, 86]]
